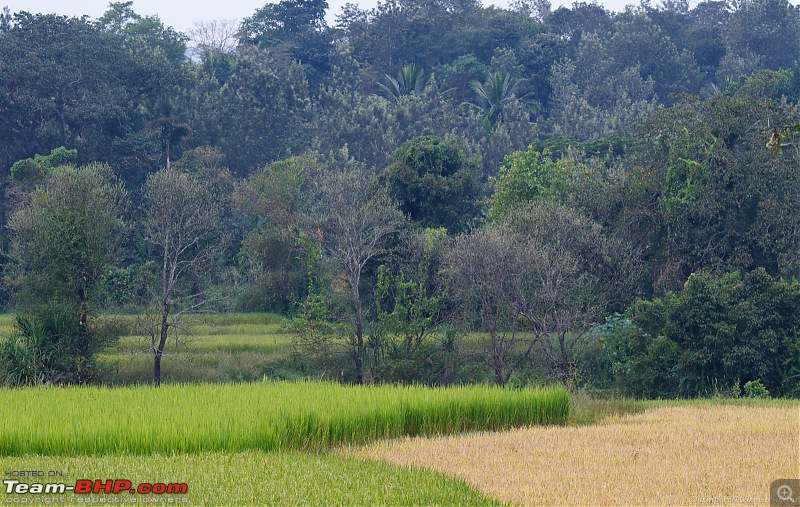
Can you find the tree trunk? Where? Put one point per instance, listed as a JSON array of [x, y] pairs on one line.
[[162, 342], [359, 355], [497, 360]]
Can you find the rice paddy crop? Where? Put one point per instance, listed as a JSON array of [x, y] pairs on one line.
[[264, 416], [255, 478], [699, 453]]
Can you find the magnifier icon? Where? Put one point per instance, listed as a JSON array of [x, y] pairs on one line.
[[785, 494]]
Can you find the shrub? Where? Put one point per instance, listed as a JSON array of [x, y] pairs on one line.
[[755, 389]]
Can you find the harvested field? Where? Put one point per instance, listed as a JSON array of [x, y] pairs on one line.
[[697, 454]]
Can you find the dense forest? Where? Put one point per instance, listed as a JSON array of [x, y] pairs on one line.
[[608, 200]]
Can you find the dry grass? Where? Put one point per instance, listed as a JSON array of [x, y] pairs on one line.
[[700, 454]]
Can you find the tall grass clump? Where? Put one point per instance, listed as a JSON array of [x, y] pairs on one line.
[[267, 416]]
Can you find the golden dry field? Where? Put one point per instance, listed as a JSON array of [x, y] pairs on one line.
[[699, 454]]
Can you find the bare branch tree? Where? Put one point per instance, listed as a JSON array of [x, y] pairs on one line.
[[488, 275], [355, 215], [574, 273], [544, 275], [182, 227], [212, 38]]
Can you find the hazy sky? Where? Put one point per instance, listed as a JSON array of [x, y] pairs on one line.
[[183, 14]]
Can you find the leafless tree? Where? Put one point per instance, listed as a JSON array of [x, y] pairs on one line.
[[544, 276], [488, 275], [212, 38], [355, 215], [574, 273], [182, 226]]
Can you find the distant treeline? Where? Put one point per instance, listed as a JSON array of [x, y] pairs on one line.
[[611, 200]]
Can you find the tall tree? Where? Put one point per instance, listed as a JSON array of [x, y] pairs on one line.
[[66, 236], [260, 114], [575, 272], [69, 82], [120, 19], [355, 216], [487, 272], [182, 225], [274, 251], [297, 25]]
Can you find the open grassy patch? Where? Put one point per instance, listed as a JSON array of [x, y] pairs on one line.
[[7, 322], [587, 410], [261, 478], [265, 416], [685, 454], [218, 348]]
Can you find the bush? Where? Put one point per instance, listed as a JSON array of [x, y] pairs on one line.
[[716, 332], [51, 346], [755, 389]]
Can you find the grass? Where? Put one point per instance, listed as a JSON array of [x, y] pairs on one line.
[[261, 478], [264, 416], [585, 410], [674, 453], [221, 348], [7, 322]]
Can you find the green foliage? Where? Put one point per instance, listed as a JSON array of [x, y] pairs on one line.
[[263, 416], [125, 288], [69, 82], [260, 114], [5, 291], [526, 177], [26, 357], [755, 24], [498, 90], [715, 333], [456, 76], [755, 389], [434, 182], [410, 311], [273, 255], [53, 346], [33, 170], [698, 171], [5, 19], [67, 236], [143, 31], [296, 25], [410, 79]]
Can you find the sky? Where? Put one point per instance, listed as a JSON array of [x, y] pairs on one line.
[[183, 14]]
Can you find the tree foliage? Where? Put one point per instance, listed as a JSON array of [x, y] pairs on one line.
[[67, 235], [435, 183], [525, 177], [710, 337]]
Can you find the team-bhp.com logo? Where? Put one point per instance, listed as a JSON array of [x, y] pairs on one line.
[[89, 487]]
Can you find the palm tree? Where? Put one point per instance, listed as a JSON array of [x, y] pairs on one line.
[[497, 91], [410, 79]]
